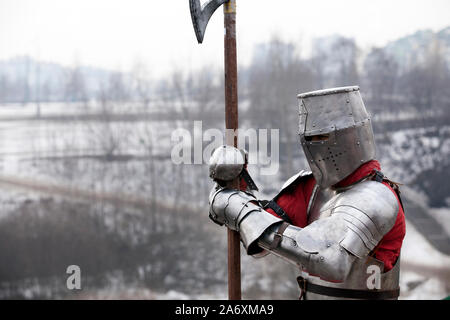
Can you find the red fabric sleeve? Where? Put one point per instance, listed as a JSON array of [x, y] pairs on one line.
[[388, 249], [294, 201]]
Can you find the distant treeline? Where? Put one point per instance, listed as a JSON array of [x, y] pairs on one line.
[[419, 77]]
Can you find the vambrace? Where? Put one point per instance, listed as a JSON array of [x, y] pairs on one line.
[[315, 249]]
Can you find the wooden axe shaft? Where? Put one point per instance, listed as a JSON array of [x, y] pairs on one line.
[[231, 122]]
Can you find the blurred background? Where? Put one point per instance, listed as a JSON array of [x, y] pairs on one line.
[[91, 91]]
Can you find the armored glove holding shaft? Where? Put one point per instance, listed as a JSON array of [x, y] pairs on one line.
[[229, 206], [225, 165], [232, 207]]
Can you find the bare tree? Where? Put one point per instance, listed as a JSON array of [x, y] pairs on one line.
[[25, 81], [180, 87], [117, 90], [141, 83], [75, 86], [4, 88], [207, 89], [318, 63], [345, 58], [381, 73], [110, 135], [426, 83]]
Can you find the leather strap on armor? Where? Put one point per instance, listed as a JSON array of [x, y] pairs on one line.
[[278, 236], [380, 177], [306, 286], [278, 210]]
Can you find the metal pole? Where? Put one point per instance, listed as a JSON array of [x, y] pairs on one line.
[[231, 122]]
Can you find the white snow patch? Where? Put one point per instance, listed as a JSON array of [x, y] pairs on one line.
[[417, 250], [442, 215]]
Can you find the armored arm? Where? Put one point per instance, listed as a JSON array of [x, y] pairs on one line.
[[327, 247]]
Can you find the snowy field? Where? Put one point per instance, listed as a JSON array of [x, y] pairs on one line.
[[425, 271], [29, 148]]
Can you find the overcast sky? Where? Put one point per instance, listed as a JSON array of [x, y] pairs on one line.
[[115, 33]]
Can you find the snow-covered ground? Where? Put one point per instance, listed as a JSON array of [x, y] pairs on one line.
[[26, 143], [442, 215], [425, 272]]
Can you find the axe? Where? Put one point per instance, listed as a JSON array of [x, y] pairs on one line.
[[200, 15]]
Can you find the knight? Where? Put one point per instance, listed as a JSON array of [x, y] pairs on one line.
[[342, 223]]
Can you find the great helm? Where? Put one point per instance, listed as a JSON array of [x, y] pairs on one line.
[[335, 133]]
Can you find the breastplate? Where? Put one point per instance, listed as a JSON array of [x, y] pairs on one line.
[[321, 205]]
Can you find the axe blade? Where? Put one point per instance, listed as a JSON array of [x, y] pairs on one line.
[[201, 14]]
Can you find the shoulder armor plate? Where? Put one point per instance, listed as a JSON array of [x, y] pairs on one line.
[[370, 210], [294, 179]]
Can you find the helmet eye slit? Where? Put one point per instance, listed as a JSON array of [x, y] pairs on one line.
[[319, 137]]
